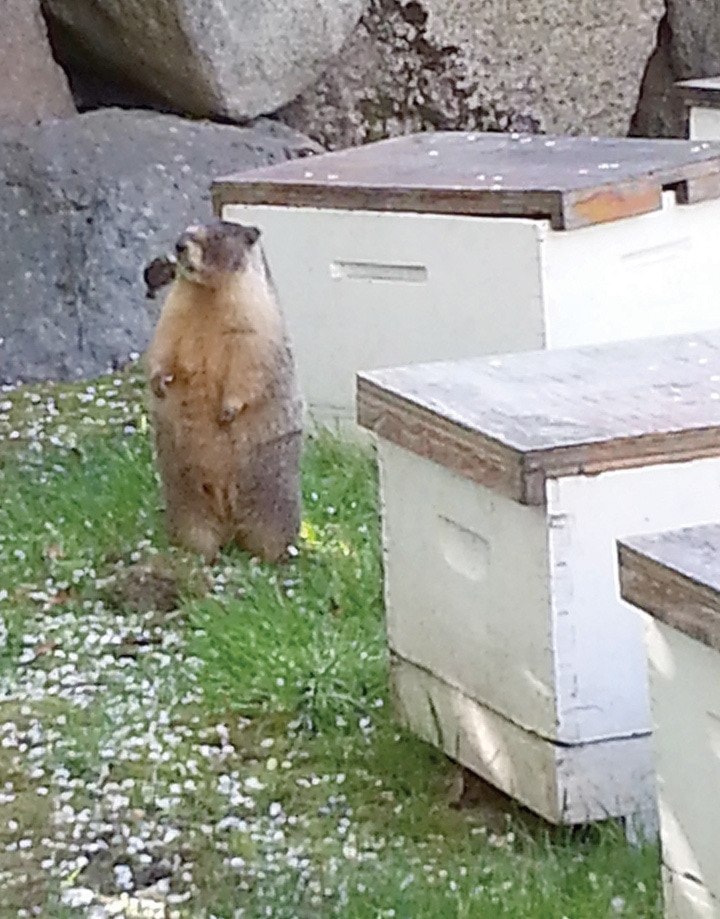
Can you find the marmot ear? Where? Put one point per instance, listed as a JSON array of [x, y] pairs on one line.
[[252, 234]]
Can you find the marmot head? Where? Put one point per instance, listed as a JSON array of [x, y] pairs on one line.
[[209, 254]]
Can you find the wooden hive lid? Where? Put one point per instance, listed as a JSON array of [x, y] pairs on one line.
[[512, 421], [704, 92], [675, 576], [571, 181]]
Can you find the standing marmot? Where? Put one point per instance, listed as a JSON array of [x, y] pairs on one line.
[[226, 410]]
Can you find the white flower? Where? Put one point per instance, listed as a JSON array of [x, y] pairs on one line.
[[123, 877], [77, 897]]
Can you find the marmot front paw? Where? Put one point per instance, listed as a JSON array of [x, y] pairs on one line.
[[230, 412], [159, 383], [158, 274]]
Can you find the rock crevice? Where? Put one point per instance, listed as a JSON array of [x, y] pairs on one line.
[[687, 46]]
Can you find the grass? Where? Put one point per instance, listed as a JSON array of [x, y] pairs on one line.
[[224, 735]]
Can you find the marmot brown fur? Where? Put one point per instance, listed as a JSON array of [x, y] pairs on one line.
[[226, 411]]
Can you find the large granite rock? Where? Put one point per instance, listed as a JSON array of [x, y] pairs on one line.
[[32, 84], [85, 203], [695, 28], [688, 46], [570, 66], [229, 58]]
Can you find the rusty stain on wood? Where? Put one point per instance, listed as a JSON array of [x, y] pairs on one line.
[[611, 203]]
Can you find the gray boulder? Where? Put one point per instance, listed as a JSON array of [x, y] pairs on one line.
[[560, 66], [695, 28], [216, 58], [32, 85], [85, 204]]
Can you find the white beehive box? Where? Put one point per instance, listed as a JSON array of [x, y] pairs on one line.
[[452, 245], [676, 578], [702, 100], [505, 483]]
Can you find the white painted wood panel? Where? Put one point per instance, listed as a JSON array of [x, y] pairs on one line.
[[657, 274], [601, 662], [704, 122], [564, 784], [518, 606], [686, 899], [467, 588], [685, 691]]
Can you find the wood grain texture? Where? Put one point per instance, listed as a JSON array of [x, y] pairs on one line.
[[571, 181], [675, 577], [704, 92], [512, 421]]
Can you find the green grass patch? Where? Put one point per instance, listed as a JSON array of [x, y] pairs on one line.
[[236, 741]]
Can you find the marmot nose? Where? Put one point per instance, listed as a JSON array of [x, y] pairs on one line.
[[181, 246]]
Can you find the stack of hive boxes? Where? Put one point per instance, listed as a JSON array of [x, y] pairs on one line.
[[531, 319]]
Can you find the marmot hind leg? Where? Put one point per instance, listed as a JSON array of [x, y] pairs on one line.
[[195, 534], [268, 506], [267, 540], [192, 520], [194, 508]]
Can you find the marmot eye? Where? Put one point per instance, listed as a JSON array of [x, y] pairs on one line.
[[181, 246]]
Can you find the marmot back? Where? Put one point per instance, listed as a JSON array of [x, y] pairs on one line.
[[226, 410]]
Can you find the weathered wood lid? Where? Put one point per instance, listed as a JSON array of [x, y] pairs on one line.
[[675, 577], [704, 92], [513, 421], [571, 181]]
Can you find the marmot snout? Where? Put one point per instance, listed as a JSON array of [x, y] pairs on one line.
[[226, 410]]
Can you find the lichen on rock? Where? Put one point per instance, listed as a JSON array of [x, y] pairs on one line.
[[527, 65]]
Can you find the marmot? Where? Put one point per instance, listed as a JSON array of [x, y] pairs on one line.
[[226, 410]]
